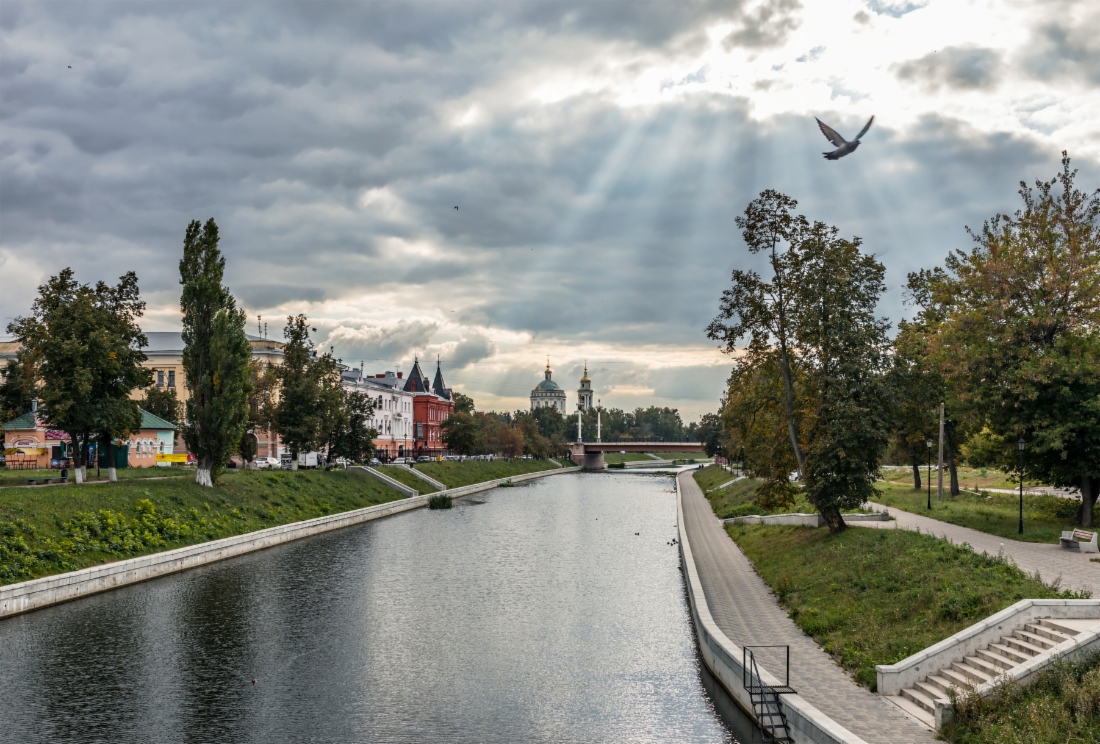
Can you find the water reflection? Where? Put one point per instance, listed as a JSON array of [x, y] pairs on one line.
[[537, 616]]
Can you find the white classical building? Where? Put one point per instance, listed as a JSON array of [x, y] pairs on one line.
[[548, 394], [393, 409]]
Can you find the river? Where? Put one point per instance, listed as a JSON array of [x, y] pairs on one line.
[[549, 612]]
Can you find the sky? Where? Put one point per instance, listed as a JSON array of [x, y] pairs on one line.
[[598, 153]]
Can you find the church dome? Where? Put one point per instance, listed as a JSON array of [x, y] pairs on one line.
[[548, 385]]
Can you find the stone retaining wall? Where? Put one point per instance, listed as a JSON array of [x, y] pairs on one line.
[[31, 595], [804, 520], [723, 657]]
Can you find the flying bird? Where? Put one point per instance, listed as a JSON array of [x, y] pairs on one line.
[[456, 209], [70, 67], [843, 146]]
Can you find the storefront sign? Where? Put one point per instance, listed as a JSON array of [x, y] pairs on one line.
[[172, 458]]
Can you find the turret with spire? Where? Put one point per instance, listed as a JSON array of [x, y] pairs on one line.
[[584, 394]]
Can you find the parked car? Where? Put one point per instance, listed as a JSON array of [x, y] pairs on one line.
[[402, 461], [374, 461], [267, 463], [425, 458]]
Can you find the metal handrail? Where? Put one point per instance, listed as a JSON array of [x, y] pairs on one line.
[[783, 689]]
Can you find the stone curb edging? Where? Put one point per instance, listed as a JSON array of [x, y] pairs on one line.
[[49, 590], [393, 483], [723, 658], [804, 520], [892, 678]]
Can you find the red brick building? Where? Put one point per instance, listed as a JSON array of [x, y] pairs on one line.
[[433, 403]]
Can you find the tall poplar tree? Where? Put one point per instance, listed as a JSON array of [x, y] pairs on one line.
[[216, 353]]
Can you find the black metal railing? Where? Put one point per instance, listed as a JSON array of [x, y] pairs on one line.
[[765, 698]]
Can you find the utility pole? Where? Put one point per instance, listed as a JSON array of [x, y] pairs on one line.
[[598, 404], [579, 424], [939, 493]]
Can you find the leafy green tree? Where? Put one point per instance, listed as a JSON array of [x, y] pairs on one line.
[[86, 350], [461, 432], [709, 432], [311, 400], [261, 407], [352, 437], [162, 402], [762, 310], [842, 346], [15, 390], [1020, 334], [216, 354], [463, 403]]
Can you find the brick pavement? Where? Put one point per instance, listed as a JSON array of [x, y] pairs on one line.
[[746, 611], [1071, 569]]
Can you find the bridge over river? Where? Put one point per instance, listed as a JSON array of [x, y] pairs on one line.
[[590, 454]]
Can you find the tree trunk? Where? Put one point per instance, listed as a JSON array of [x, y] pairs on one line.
[[788, 404], [832, 518], [112, 474], [1090, 486], [916, 473], [202, 472], [949, 440], [78, 472]]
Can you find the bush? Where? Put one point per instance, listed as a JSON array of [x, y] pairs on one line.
[[440, 502]]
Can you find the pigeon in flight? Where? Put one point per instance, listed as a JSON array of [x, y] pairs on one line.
[[843, 147], [456, 209]]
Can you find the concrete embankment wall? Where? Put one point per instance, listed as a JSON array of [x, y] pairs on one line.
[[31, 595], [724, 659]]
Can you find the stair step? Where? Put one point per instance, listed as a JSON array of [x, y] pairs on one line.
[[918, 697], [1047, 632], [930, 690], [1022, 645], [937, 681], [957, 679], [975, 675], [984, 666], [1017, 656], [994, 656], [1066, 627], [1036, 640], [913, 709]]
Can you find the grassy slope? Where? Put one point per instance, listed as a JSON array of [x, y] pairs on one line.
[[19, 477], [1061, 705], [62, 528], [616, 457], [736, 500], [970, 478], [1045, 517], [404, 476], [456, 474], [878, 596]]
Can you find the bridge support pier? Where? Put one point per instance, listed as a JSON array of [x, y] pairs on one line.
[[594, 461]]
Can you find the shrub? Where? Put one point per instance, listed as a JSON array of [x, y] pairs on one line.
[[440, 502]]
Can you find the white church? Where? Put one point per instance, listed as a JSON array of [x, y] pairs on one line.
[[548, 394]]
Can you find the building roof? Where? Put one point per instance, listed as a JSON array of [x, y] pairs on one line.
[[171, 342], [548, 384], [417, 381], [149, 421], [438, 386], [28, 421]]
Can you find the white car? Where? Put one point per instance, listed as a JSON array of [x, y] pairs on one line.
[[267, 463]]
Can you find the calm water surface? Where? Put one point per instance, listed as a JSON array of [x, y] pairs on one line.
[[537, 615]]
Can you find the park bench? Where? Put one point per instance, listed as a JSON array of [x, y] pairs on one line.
[[1079, 540], [45, 481]]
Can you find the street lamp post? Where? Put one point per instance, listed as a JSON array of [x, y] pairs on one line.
[[928, 444], [1021, 444]]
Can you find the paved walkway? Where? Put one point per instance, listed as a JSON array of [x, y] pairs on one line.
[[1071, 569], [746, 611]]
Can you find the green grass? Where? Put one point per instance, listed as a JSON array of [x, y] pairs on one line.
[[617, 457], [878, 596], [1062, 704], [19, 477], [53, 529], [737, 499], [969, 478], [456, 474], [440, 502], [1045, 517], [712, 476], [682, 455], [404, 476]]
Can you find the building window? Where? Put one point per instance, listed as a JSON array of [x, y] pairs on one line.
[[160, 378], [171, 378]]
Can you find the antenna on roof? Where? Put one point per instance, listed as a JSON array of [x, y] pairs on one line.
[[259, 332], [265, 330]]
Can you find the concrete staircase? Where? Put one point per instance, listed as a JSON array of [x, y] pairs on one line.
[[1032, 639]]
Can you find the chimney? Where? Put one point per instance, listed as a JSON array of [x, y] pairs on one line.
[[34, 405], [399, 374]]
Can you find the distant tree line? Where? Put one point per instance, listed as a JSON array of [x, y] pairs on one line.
[[1006, 336], [546, 432]]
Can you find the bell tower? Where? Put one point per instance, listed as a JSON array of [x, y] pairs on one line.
[[584, 394]]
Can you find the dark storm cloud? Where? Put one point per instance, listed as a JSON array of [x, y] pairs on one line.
[[961, 68], [765, 26], [1064, 50], [323, 139]]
